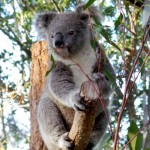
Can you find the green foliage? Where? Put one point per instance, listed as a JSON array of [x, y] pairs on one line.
[[136, 143], [140, 64], [52, 65], [90, 2], [93, 44], [105, 140], [109, 11], [118, 21], [100, 29]]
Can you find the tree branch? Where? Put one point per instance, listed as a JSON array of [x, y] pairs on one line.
[[57, 7], [83, 120], [15, 38]]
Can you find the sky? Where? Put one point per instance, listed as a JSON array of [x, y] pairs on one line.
[[22, 118]]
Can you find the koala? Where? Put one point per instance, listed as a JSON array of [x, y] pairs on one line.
[[69, 37]]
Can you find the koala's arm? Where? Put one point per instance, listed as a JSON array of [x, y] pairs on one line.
[[99, 75], [64, 88]]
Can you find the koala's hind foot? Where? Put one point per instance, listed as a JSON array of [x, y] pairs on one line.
[[65, 143]]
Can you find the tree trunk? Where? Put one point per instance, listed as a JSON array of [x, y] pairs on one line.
[[37, 79], [83, 121]]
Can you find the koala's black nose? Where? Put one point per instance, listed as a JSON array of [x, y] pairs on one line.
[[59, 40], [59, 43]]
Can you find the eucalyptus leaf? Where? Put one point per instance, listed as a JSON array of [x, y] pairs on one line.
[[100, 29], [108, 75], [118, 21], [136, 143], [109, 11], [114, 84], [115, 45], [52, 66], [93, 44], [140, 63], [105, 139], [89, 3]]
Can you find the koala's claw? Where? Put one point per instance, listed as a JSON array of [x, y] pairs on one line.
[[95, 76], [80, 107], [98, 76], [78, 104], [91, 90], [65, 142]]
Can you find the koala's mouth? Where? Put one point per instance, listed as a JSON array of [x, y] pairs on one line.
[[63, 51]]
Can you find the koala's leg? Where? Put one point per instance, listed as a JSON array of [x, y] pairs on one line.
[[51, 125], [98, 131]]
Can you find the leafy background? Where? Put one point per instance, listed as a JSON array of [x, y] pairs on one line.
[[121, 34]]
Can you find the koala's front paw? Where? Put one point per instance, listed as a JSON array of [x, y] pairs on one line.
[[78, 105], [65, 143], [95, 76], [90, 90], [103, 84], [98, 76]]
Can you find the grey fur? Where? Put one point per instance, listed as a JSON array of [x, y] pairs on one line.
[[69, 41]]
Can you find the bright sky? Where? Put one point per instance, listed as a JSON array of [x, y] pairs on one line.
[[22, 118]]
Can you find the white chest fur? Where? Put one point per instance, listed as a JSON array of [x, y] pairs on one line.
[[81, 64], [85, 62]]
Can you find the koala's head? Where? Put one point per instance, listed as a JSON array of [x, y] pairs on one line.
[[66, 33]]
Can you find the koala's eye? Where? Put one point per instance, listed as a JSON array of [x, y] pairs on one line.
[[52, 36], [71, 32]]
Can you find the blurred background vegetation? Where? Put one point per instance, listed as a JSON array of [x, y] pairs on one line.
[[121, 34]]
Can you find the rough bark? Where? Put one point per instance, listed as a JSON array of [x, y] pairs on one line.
[[83, 121], [37, 79]]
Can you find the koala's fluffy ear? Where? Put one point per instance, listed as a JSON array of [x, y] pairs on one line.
[[90, 12], [41, 22]]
